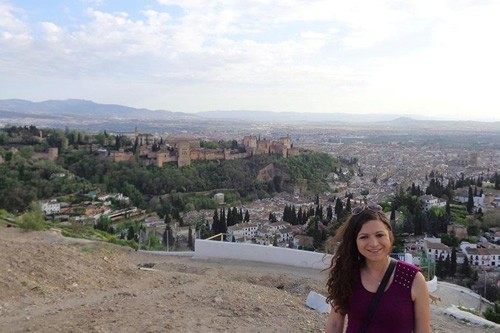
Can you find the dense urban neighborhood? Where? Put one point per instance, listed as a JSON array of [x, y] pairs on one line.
[[443, 202]]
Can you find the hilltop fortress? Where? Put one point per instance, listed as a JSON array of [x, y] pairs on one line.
[[157, 151]]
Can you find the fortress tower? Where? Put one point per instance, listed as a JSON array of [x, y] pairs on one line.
[[53, 154], [184, 152]]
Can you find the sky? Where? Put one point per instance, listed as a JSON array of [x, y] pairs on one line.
[[436, 58]]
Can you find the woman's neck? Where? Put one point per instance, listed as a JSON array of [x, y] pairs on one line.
[[377, 267]]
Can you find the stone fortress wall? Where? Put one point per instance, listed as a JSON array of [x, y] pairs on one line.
[[185, 150]]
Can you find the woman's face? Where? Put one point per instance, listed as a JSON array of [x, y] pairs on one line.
[[373, 241]]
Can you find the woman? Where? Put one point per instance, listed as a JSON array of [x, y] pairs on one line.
[[356, 270]]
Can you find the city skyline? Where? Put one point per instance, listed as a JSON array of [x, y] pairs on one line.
[[432, 58]]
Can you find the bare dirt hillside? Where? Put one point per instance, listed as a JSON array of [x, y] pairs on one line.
[[49, 283]]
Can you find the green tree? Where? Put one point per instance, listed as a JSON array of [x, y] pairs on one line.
[[33, 219], [216, 224], [131, 233], [190, 239], [440, 268], [103, 223], [453, 261], [493, 313], [272, 217], [465, 268], [168, 237], [152, 241], [447, 266], [470, 201]]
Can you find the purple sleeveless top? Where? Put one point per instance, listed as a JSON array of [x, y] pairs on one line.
[[394, 311]]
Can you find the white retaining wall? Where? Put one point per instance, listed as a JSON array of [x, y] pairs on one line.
[[261, 253], [275, 255], [432, 285]]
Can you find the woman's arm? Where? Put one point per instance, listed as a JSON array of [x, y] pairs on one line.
[[335, 322], [420, 297]]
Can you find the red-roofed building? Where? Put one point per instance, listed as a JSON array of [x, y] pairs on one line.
[[483, 257]]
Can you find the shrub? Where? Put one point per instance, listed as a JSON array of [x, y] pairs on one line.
[[33, 219], [493, 313]]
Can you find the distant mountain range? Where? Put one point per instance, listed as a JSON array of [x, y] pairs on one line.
[[91, 115], [79, 108], [298, 117], [84, 108]]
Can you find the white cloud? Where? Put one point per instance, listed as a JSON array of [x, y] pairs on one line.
[[13, 30], [359, 56]]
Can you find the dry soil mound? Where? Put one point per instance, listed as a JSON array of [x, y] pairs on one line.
[[51, 283]]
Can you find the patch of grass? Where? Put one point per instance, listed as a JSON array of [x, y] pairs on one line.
[[87, 249], [24, 283], [76, 230], [124, 242], [469, 310]]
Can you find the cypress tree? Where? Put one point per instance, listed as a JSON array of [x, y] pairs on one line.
[[234, 215], [241, 216], [286, 216], [299, 216], [348, 206], [440, 268], [465, 269], [168, 237], [130, 233], [222, 218], [190, 239], [329, 213], [230, 219], [392, 219], [216, 223], [470, 201], [338, 208], [447, 266], [453, 262]]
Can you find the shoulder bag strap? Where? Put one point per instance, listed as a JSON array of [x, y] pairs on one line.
[[376, 298]]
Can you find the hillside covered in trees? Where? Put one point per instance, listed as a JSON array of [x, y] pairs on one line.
[[25, 177]]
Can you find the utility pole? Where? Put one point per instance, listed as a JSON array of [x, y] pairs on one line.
[[484, 290]]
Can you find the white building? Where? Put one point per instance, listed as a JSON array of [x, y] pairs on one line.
[[243, 230], [483, 257], [436, 249], [430, 201], [51, 207]]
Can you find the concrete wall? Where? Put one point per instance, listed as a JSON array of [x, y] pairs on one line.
[[260, 253], [432, 284], [271, 254]]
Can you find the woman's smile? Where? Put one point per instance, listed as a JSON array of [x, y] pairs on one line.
[[373, 240]]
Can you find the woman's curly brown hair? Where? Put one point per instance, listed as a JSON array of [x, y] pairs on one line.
[[347, 261]]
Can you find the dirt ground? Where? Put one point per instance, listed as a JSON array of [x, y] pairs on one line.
[[49, 283]]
